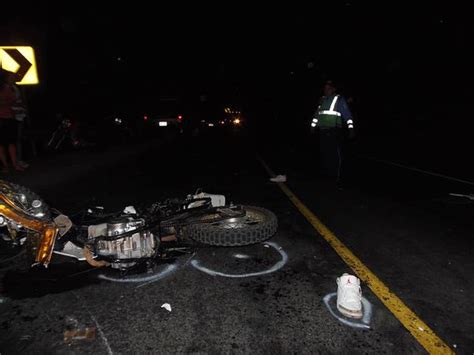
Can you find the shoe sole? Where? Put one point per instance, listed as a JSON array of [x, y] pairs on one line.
[[350, 313]]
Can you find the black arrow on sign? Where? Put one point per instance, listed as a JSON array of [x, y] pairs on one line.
[[24, 64]]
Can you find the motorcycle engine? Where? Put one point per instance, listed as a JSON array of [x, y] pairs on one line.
[[142, 244]]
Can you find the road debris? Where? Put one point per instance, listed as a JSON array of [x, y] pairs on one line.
[[87, 333], [278, 178], [76, 331], [166, 306], [130, 210], [241, 256]]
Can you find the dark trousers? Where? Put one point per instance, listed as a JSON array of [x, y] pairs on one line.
[[331, 152]]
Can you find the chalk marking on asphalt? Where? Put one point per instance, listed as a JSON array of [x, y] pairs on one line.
[[162, 275], [420, 331], [364, 323], [427, 172], [151, 278], [277, 266], [101, 333], [189, 259]]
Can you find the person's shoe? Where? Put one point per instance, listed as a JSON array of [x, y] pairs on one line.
[[22, 164], [278, 178], [349, 296]]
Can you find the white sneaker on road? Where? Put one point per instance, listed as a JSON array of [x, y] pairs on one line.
[[278, 178], [349, 296]]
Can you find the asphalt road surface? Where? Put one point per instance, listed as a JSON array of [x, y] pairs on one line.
[[267, 298]]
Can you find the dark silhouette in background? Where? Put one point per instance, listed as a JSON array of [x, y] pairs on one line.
[[8, 123], [334, 122]]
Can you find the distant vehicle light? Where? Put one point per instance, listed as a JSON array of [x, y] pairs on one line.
[[211, 124], [118, 120], [145, 118], [237, 121]]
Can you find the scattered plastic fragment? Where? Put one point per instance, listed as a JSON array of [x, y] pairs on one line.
[[76, 331], [241, 256], [278, 178], [87, 333], [130, 210], [166, 306]]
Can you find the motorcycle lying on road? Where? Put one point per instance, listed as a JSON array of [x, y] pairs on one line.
[[129, 238]]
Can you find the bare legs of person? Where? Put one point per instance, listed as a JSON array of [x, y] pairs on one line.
[[3, 159], [12, 153]]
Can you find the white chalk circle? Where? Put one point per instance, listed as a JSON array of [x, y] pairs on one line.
[[363, 323], [277, 266], [161, 274]]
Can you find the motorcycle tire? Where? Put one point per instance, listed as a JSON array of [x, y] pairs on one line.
[[42, 212], [258, 225], [26, 253]]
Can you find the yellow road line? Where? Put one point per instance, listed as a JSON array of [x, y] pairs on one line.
[[422, 333]]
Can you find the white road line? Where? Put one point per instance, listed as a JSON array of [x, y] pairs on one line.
[[427, 172]]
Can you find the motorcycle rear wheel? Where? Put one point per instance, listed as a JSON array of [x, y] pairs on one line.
[[257, 225]]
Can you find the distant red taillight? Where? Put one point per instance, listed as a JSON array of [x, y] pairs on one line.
[[145, 118]]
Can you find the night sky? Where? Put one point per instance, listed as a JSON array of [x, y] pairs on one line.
[[381, 54]]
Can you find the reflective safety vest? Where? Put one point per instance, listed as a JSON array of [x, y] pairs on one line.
[[328, 117]]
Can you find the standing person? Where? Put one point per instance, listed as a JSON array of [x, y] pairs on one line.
[[20, 111], [332, 118], [8, 124]]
